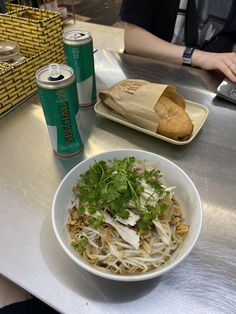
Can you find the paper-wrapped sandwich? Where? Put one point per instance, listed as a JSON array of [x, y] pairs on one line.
[[155, 107]]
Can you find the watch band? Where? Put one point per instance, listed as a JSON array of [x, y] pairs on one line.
[[187, 56]]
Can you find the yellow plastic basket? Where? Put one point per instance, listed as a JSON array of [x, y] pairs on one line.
[[39, 35]]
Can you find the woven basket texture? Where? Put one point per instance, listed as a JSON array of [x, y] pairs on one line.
[[39, 35]]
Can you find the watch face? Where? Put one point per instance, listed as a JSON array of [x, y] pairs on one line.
[[186, 60], [227, 90], [187, 55]]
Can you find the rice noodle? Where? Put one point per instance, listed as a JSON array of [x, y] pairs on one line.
[[109, 248]]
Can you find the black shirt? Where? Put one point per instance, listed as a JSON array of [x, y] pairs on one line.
[[159, 16]]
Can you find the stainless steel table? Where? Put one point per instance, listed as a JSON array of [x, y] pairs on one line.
[[30, 173]]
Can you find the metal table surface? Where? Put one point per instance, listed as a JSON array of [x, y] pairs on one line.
[[30, 173]]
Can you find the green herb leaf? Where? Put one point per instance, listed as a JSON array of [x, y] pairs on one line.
[[80, 245], [110, 185], [152, 177], [149, 214], [96, 222]]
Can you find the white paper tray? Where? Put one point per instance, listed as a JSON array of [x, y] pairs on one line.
[[197, 113]]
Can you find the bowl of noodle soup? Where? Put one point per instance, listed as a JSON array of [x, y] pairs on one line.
[[127, 215]]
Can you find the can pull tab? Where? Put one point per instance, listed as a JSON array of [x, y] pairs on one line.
[[54, 72]]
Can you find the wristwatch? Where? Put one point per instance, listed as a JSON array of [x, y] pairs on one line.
[[187, 56]]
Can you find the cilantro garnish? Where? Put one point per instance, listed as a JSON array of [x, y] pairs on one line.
[[152, 177], [149, 214], [96, 222], [109, 185], [80, 245], [112, 185]]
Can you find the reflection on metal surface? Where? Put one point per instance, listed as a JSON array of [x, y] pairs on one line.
[[94, 147], [37, 113], [108, 70]]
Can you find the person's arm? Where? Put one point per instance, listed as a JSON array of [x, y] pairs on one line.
[[140, 42]]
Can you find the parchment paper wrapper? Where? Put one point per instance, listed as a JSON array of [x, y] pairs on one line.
[[136, 100]]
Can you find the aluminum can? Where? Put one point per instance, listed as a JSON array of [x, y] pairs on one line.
[[78, 47], [59, 99]]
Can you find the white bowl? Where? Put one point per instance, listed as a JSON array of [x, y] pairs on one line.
[[185, 192]]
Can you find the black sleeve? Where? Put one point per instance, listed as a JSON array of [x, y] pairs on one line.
[[138, 12], [230, 26], [156, 16]]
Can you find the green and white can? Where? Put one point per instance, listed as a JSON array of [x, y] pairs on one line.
[[78, 47], [58, 95]]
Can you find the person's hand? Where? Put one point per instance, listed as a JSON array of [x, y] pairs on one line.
[[225, 62]]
